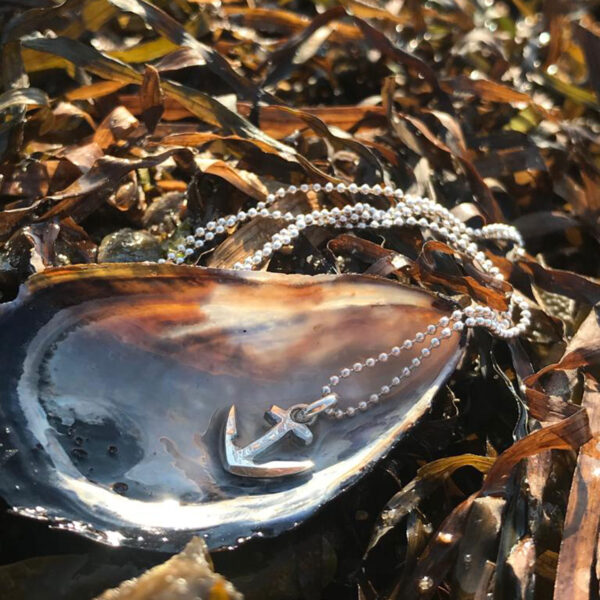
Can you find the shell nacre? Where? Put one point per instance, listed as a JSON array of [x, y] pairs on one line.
[[117, 380]]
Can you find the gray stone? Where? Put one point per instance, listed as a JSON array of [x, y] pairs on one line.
[[129, 245]]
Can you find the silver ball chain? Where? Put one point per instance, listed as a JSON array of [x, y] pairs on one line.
[[408, 210]]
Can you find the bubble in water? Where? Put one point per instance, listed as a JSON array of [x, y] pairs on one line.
[[445, 537], [425, 584], [79, 453], [120, 487]]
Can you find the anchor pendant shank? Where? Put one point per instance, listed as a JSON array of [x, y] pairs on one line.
[[240, 461]]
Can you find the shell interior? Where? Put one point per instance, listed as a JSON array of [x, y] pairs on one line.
[[117, 381]]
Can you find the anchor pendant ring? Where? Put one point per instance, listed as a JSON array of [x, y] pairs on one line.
[[307, 413]]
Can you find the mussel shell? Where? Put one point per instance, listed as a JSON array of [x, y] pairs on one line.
[[117, 380]]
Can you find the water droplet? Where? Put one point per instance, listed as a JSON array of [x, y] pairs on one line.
[[425, 584], [181, 586], [445, 537], [467, 560]]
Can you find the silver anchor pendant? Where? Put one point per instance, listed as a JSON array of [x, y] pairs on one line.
[[295, 420]]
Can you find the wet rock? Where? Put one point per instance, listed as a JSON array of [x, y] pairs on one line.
[[185, 576], [163, 215], [70, 577], [129, 245], [15, 266]]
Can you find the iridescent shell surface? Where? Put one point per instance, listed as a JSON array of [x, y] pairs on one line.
[[117, 381]]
